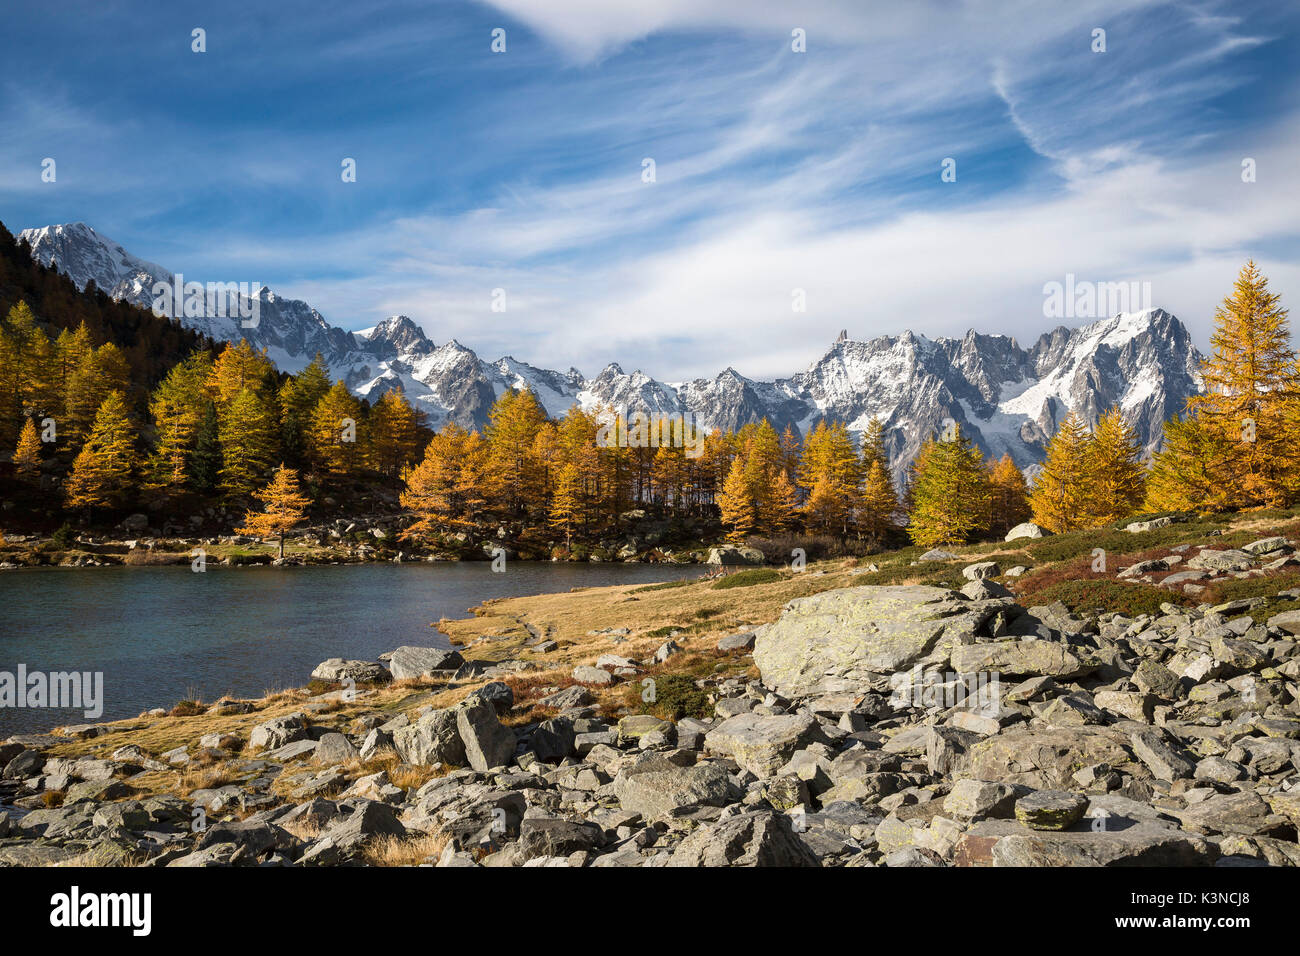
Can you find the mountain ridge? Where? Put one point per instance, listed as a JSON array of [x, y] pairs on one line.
[[1007, 398]]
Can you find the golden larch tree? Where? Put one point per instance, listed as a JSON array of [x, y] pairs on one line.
[[736, 503], [284, 507], [1117, 478], [334, 437], [950, 492], [1009, 497], [565, 506], [1059, 499], [101, 473], [27, 457]]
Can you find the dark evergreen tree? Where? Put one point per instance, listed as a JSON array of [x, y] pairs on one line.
[[205, 462]]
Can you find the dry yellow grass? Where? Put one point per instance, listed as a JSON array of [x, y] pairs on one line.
[[205, 778], [304, 829], [405, 851]]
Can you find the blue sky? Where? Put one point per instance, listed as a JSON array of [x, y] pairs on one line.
[[775, 170]]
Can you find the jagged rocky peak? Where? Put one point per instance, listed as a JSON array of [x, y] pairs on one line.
[[400, 334], [84, 255]]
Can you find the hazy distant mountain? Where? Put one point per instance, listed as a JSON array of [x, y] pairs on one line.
[[1009, 399]]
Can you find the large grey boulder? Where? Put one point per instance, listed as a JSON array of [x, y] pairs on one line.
[[840, 640], [575, 696], [278, 731], [434, 738], [334, 748], [1138, 527], [937, 554], [414, 662], [978, 799], [762, 744], [659, 789], [1046, 758], [756, 838], [1229, 560], [336, 670], [731, 554], [981, 570], [1144, 844], [487, 742], [368, 819], [1026, 530], [1162, 760], [553, 740], [550, 837]]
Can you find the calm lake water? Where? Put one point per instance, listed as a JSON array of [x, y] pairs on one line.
[[160, 635]]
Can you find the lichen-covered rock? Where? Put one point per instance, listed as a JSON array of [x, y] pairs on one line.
[[842, 639], [762, 744], [1045, 758], [659, 790], [1018, 659], [1050, 809]]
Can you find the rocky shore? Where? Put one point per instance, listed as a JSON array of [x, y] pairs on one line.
[[363, 539], [875, 725]]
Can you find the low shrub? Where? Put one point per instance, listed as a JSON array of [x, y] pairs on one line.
[[664, 586], [748, 578], [1103, 594], [675, 697]]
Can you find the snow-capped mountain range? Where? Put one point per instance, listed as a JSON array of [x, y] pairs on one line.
[[1007, 398]]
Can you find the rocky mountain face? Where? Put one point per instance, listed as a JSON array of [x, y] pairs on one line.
[[1007, 398]]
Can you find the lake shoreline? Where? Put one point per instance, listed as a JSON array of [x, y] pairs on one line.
[[19, 552], [164, 634]]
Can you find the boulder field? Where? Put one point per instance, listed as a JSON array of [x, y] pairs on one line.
[[887, 726]]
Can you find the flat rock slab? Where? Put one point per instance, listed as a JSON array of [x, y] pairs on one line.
[[1229, 560], [1003, 843], [1244, 814], [586, 674], [1161, 759], [1018, 659]]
